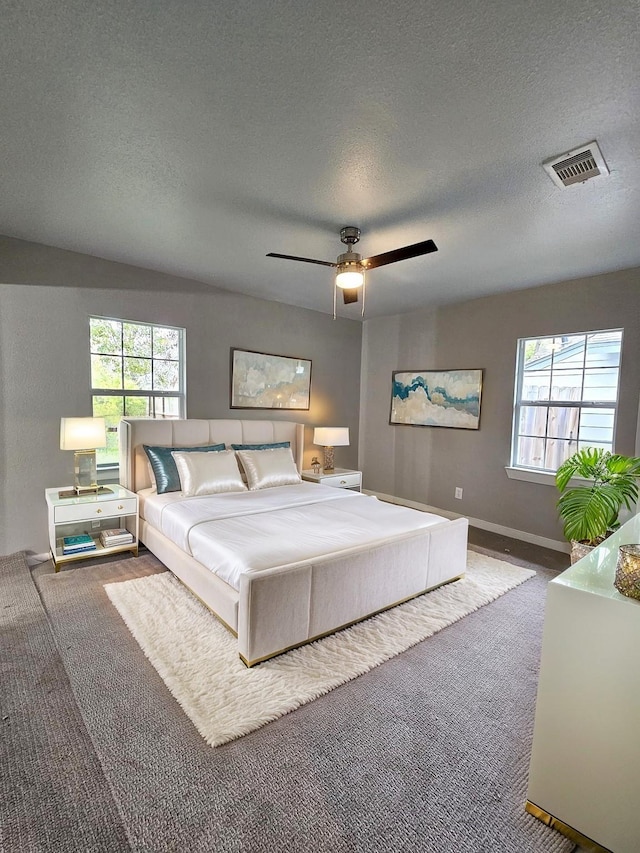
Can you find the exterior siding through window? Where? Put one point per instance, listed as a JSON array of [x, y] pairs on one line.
[[566, 396]]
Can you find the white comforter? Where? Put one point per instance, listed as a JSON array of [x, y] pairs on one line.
[[249, 531]]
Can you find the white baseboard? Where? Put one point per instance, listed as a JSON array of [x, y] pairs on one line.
[[543, 541]]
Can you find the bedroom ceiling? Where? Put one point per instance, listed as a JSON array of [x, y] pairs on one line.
[[194, 137]]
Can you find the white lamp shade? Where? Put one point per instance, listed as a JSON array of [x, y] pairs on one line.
[[331, 436], [82, 433], [350, 279]]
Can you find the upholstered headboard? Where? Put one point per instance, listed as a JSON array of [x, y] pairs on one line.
[[134, 432]]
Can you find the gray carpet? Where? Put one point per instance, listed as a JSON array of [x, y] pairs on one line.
[[428, 752], [53, 792]]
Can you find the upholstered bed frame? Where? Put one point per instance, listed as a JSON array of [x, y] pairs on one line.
[[318, 596]]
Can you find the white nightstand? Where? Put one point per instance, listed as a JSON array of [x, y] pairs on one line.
[[90, 513], [339, 478]]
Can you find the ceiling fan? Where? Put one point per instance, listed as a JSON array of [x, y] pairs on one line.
[[351, 267]]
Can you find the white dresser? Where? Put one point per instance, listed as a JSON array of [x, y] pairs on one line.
[[584, 776]]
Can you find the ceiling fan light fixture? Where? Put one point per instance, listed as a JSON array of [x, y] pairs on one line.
[[350, 267], [349, 278], [349, 271]]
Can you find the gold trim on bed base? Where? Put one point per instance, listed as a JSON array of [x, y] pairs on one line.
[[249, 664], [564, 828]]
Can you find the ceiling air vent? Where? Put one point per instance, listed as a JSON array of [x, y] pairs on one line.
[[577, 166]]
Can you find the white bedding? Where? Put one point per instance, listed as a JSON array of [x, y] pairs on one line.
[[250, 531]]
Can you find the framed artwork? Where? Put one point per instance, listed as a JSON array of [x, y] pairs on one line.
[[445, 398], [260, 380]]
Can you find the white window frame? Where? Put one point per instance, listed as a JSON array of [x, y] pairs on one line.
[[150, 393], [545, 475]]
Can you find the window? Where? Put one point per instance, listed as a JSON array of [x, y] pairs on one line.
[[566, 397], [137, 370]]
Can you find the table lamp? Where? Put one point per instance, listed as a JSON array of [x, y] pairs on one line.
[[83, 435], [330, 437]]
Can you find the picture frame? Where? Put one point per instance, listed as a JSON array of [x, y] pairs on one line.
[[440, 398], [262, 380]]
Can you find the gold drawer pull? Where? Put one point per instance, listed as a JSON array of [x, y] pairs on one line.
[[120, 507], [343, 482], [98, 511]]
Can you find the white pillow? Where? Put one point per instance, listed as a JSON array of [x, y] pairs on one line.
[[208, 473], [267, 468]]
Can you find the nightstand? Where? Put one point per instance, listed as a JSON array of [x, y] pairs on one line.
[[91, 513], [339, 478]]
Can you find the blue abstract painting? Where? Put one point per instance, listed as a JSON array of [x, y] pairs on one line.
[[446, 398]]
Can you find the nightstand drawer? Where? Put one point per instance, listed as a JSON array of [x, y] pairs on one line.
[[341, 478], [98, 509], [344, 481]]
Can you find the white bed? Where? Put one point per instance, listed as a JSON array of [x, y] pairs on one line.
[[282, 566]]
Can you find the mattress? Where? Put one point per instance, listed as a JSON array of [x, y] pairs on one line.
[[251, 531]]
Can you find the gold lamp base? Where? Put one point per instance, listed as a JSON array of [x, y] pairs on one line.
[[87, 490], [85, 476], [71, 493], [85, 472], [328, 459]]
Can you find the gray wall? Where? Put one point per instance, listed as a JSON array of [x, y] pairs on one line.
[[49, 294], [46, 298], [424, 464]]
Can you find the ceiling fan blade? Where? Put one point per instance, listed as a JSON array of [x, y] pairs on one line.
[[403, 254], [305, 260], [350, 294]]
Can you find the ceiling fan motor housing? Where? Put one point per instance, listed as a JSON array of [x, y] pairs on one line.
[[349, 234], [350, 259]]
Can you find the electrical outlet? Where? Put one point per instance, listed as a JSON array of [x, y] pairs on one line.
[[95, 525], [458, 493]]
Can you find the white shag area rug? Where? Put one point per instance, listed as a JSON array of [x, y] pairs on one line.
[[198, 658]]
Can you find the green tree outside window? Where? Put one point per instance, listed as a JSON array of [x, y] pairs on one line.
[[137, 370]]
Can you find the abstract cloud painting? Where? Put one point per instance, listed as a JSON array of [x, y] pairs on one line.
[[445, 398], [263, 381]]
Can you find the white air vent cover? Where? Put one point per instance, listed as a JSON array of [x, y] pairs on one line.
[[577, 166]]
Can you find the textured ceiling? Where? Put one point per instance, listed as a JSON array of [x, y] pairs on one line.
[[193, 137]]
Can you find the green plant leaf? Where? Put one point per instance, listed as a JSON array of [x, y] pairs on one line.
[[587, 514], [588, 463]]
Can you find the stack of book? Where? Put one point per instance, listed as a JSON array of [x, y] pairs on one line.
[[78, 544], [116, 536]]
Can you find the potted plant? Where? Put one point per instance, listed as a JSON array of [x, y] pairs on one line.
[[590, 512]]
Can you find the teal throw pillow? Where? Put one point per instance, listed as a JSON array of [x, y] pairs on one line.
[[261, 446], [164, 466]]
